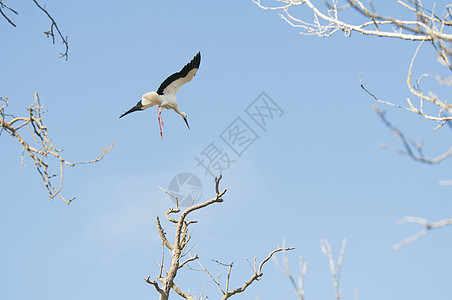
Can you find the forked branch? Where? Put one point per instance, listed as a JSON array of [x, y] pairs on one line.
[[415, 151], [411, 149], [427, 227], [51, 31], [335, 268], [3, 7], [44, 152], [423, 25], [331, 18], [54, 29], [181, 240], [298, 284], [180, 247], [257, 275]]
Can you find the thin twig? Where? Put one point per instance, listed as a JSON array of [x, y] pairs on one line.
[[406, 144], [3, 5], [257, 274], [51, 33]]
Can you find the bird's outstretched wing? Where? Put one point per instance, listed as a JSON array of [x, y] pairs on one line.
[[175, 81]]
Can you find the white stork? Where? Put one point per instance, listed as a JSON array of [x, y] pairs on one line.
[[165, 97]]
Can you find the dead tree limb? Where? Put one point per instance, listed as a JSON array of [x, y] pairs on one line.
[[49, 33], [423, 26], [180, 247], [427, 227], [298, 284], [44, 151], [180, 243], [256, 276], [3, 6], [335, 268]]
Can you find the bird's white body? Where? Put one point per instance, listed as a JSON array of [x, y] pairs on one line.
[[165, 97], [163, 101]]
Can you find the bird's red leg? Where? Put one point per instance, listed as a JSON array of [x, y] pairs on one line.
[[160, 121]]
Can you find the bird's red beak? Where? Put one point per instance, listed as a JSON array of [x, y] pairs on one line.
[[186, 122]]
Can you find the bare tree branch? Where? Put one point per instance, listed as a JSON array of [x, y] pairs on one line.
[[163, 235], [217, 282], [423, 25], [408, 145], [328, 21], [298, 287], [426, 26], [256, 276], [181, 293], [51, 33], [427, 227], [4, 6], [154, 283], [445, 182], [441, 118], [44, 150], [181, 240], [48, 33], [172, 209], [335, 271], [188, 260], [179, 248]]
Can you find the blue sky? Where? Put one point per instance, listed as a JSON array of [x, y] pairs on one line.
[[316, 172]]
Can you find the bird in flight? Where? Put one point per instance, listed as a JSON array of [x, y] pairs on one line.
[[165, 97]]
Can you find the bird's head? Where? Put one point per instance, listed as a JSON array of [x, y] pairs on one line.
[[184, 115]]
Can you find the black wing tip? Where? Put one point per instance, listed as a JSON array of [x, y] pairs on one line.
[[196, 61]]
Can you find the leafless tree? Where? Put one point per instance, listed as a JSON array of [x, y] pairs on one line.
[[180, 248], [423, 25], [38, 145], [6, 11]]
